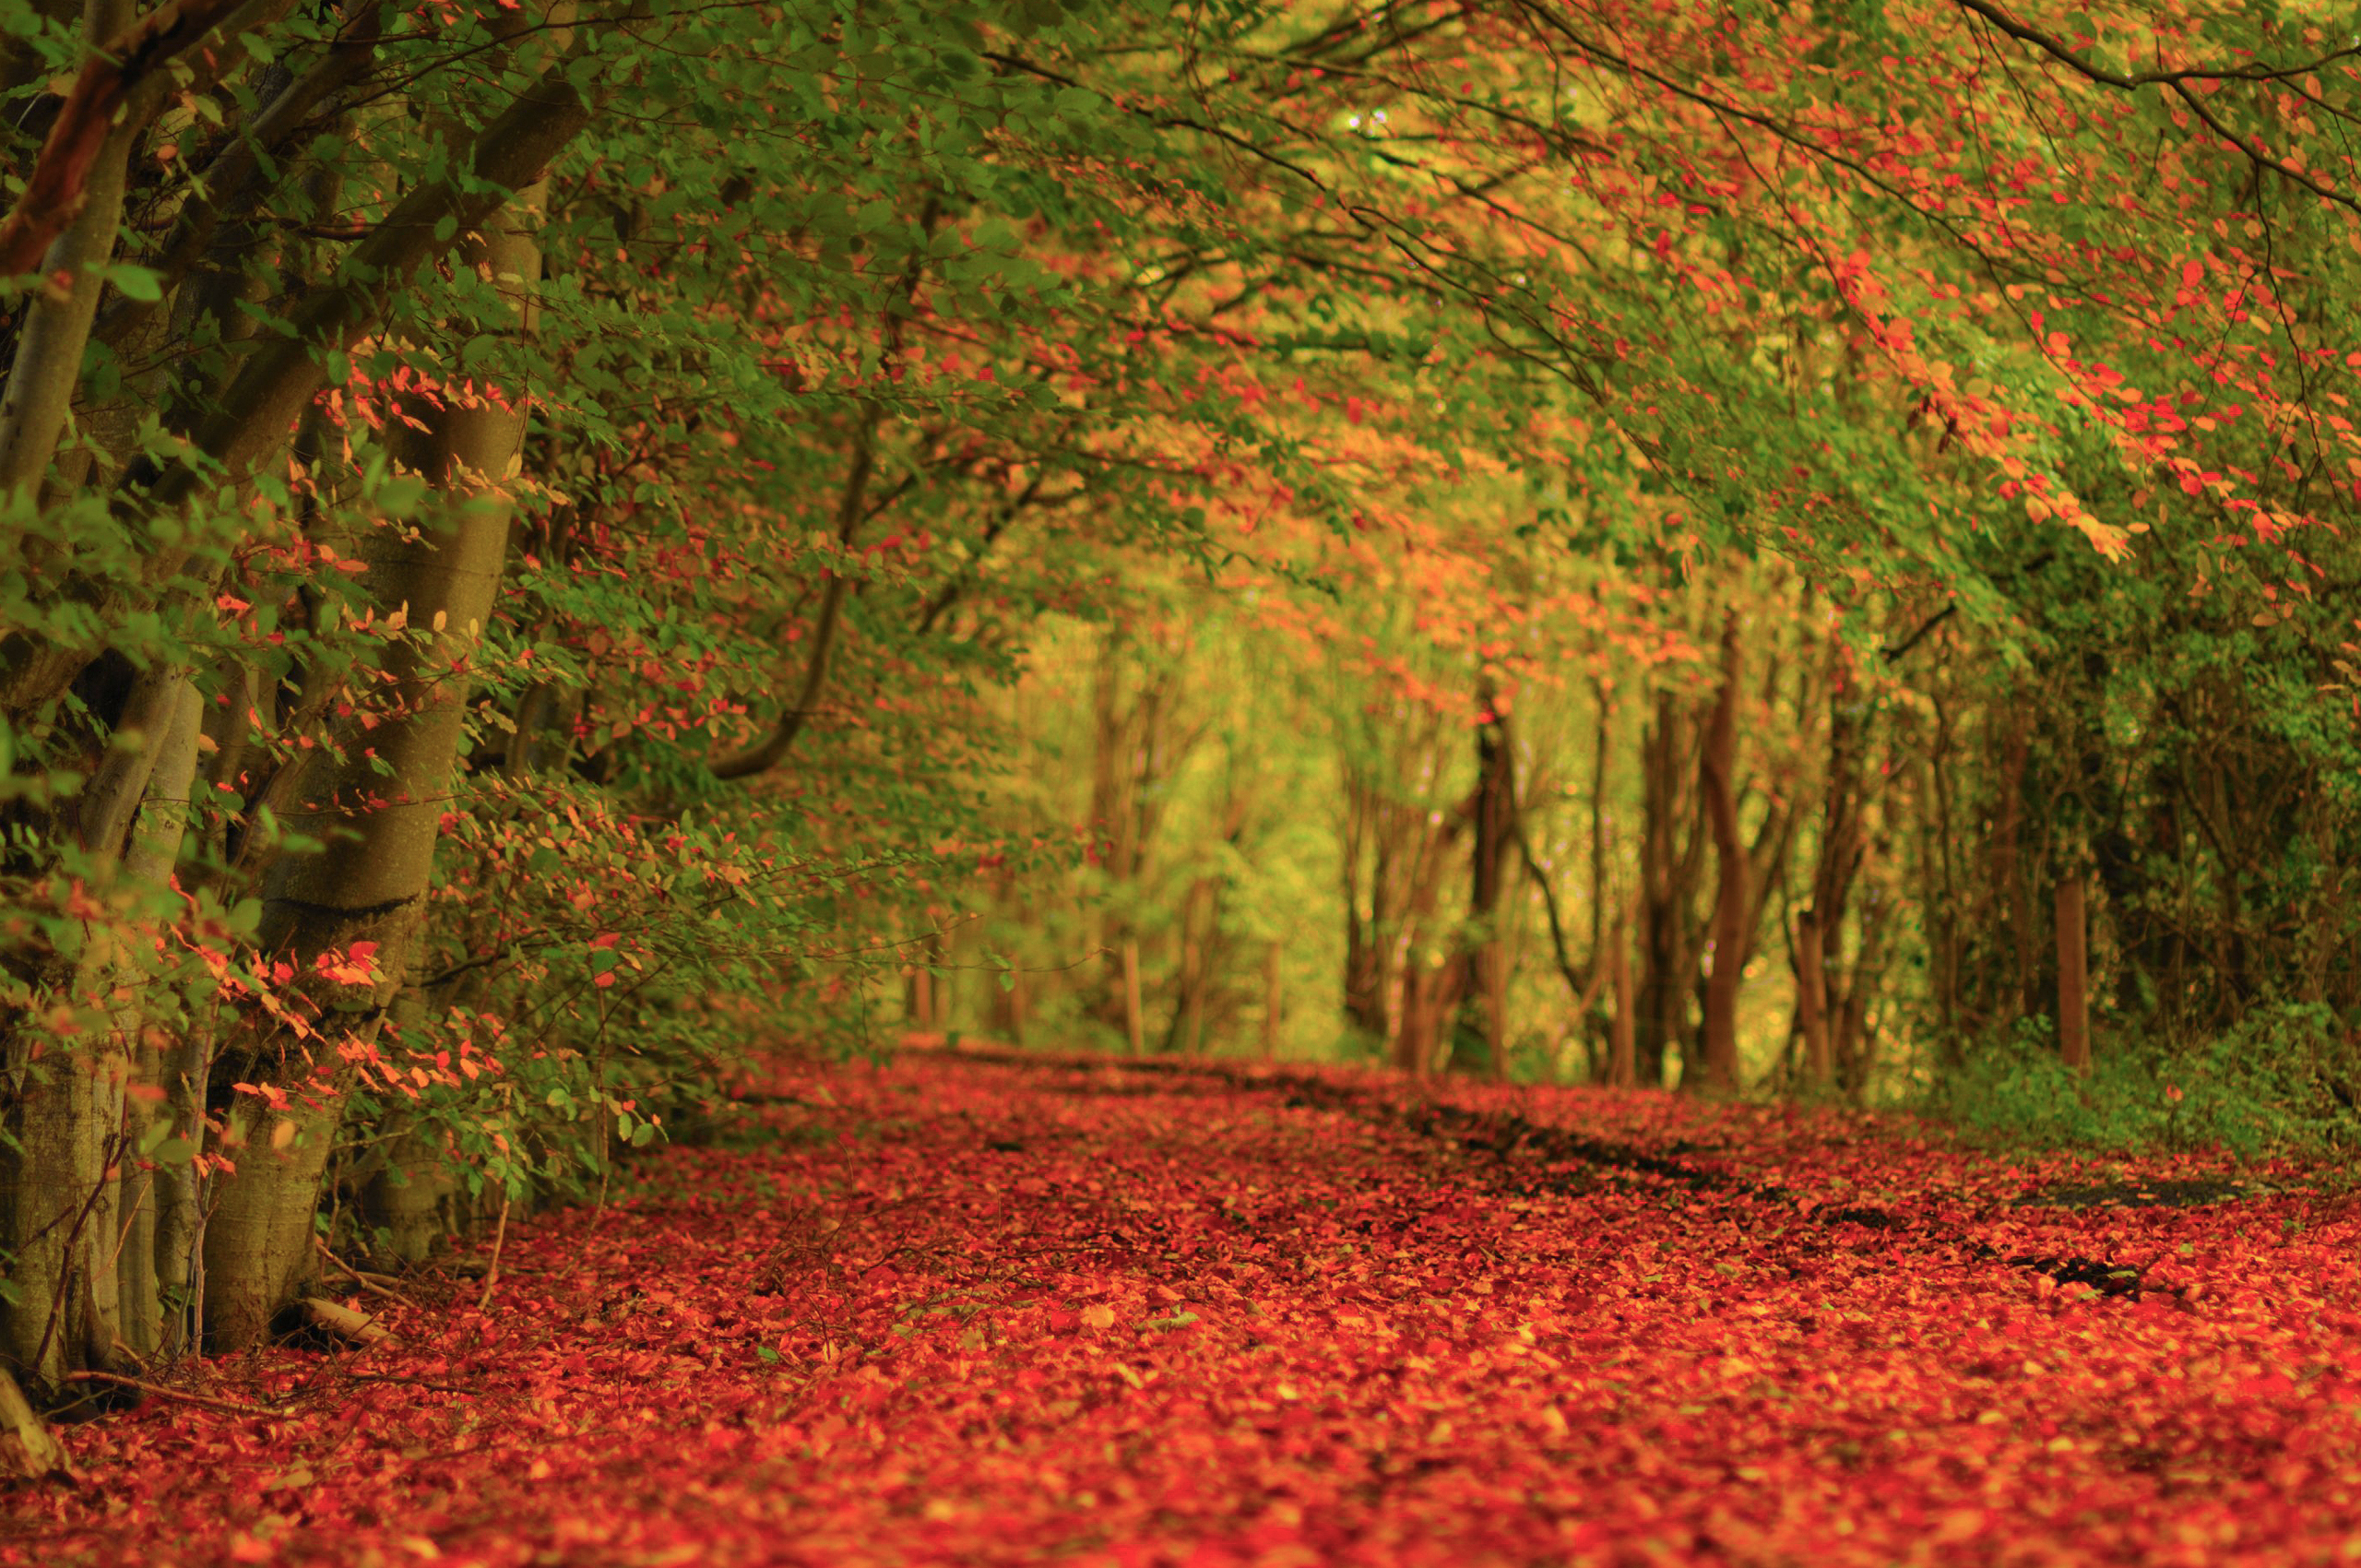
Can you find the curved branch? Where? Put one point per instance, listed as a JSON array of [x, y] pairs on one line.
[[2057, 48], [772, 749], [133, 60]]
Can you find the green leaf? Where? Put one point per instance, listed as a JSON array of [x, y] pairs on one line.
[[399, 497], [136, 283]]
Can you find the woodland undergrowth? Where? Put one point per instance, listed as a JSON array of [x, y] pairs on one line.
[[984, 1310]]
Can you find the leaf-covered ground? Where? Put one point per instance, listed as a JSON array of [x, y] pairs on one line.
[[976, 1312]]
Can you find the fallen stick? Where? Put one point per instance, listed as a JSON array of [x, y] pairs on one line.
[[160, 1392], [491, 1275], [344, 1322], [368, 1282]]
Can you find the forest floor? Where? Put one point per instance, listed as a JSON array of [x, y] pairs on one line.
[[964, 1311]]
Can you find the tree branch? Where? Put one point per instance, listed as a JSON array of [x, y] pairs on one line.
[[773, 748], [54, 192]]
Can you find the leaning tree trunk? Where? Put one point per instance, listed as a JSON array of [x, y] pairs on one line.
[[62, 1109], [369, 885], [48, 365], [152, 1255]]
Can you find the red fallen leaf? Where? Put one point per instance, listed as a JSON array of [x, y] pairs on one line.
[[1402, 1349]]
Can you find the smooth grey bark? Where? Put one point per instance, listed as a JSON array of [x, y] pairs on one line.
[[144, 1266], [58, 1102], [261, 405], [74, 1243], [57, 319], [370, 882]]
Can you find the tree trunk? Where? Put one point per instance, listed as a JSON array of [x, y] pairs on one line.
[[1600, 877], [1493, 811], [147, 1262], [2008, 868], [1431, 987], [1856, 1044], [918, 1002], [2073, 974], [72, 1120], [407, 1197], [1429, 993], [274, 385], [1368, 941], [66, 1110], [1819, 959], [1668, 870], [369, 883], [1133, 1027], [1273, 1000], [1622, 1057], [1200, 916], [58, 329], [1812, 1001], [1717, 779]]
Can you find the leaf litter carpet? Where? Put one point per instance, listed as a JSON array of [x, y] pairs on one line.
[[968, 1310]]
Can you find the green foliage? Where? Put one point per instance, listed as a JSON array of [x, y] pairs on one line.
[[2282, 1081]]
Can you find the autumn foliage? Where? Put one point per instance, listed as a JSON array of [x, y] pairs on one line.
[[591, 591], [984, 1312]]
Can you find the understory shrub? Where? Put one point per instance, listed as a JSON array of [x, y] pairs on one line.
[[2282, 1081]]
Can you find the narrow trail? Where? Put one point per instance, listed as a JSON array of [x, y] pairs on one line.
[[982, 1311]]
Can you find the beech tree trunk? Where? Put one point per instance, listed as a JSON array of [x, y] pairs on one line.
[[64, 1109], [56, 329], [153, 1195], [370, 882]]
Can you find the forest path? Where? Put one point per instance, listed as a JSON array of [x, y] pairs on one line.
[[969, 1311]]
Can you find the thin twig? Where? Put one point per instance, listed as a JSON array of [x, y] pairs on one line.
[[160, 1392], [499, 1238], [365, 1281]]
